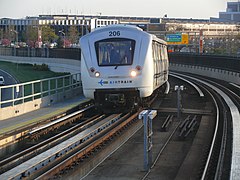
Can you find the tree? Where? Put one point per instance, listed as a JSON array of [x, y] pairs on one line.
[[59, 42], [6, 42], [31, 36], [1, 34], [48, 35], [9, 34]]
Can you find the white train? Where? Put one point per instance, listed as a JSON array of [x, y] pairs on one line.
[[121, 65]]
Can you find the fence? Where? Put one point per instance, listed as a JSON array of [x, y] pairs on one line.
[[228, 63], [13, 95], [66, 53]]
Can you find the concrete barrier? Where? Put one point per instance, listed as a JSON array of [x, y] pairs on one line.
[[55, 64], [16, 110], [225, 75]]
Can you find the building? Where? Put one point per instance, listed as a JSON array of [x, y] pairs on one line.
[[60, 23], [213, 31], [232, 12]]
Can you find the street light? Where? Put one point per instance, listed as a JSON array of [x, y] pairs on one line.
[[201, 38], [39, 36], [63, 38], [16, 34]]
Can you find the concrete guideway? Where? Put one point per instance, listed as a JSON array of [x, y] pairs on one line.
[[22, 121], [235, 167]]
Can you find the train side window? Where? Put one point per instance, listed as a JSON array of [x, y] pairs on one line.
[[159, 52], [153, 51]]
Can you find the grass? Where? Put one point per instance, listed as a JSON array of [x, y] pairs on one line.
[[26, 72]]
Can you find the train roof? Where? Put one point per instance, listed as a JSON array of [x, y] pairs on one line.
[[118, 26], [155, 38], [125, 26]]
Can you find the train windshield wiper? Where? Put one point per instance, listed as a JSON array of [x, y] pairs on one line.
[[116, 66]]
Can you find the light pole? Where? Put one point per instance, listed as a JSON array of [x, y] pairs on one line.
[[63, 38], [16, 34], [201, 38], [39, 36], [201, 41]]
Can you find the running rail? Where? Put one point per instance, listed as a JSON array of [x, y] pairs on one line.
[[235, 164], [189, 82]]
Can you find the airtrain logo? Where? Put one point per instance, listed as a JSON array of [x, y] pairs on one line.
[[101, 82]]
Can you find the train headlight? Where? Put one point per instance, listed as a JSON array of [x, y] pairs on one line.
[[97, 74], [133, 73]]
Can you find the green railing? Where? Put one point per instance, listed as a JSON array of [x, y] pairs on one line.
[[12, 95]]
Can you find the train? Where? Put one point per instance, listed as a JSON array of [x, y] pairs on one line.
[[121, 66]]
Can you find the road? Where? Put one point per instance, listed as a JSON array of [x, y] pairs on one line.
[[6, 94]]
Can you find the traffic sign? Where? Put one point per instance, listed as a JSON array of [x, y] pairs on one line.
[[174, 37], [184, 38], [177, 39]]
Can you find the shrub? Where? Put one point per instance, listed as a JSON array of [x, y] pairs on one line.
[[42, 67]]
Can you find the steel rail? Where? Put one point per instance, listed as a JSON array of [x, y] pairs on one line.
[[60, 120], [51, 156], [52, 173], [161, 151], [201, 94], [40, 147], [235, 114]]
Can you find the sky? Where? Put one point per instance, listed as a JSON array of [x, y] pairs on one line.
[[197, 9]]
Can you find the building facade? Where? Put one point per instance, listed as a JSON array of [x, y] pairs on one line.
[[213, 31], [232, 12]]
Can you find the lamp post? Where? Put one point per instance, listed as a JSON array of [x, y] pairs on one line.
[[201, 41], [39, 36], [201, 38], [16, 34], [63, 38]]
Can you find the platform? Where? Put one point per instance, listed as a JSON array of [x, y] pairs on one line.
[[11, 124]]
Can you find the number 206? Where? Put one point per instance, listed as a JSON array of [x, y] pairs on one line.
[[114, 33]]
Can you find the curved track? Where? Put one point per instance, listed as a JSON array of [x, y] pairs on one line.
[[219, 160]]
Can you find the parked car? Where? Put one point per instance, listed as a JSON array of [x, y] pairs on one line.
[[2, 82]]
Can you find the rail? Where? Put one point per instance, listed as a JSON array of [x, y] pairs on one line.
[[235, 116]]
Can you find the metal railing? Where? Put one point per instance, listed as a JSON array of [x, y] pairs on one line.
[[12, 95]]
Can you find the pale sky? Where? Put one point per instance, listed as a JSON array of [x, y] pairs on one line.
[[202, 9]]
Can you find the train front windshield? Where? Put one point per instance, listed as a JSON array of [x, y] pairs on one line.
[[115, 52]]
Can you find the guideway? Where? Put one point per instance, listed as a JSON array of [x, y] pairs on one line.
[[22, 121]]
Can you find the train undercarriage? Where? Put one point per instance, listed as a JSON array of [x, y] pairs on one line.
[[117, 100], [123, 100]]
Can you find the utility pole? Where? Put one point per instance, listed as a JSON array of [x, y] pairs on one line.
[[63, 38], [179, 100], [16, 34]]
